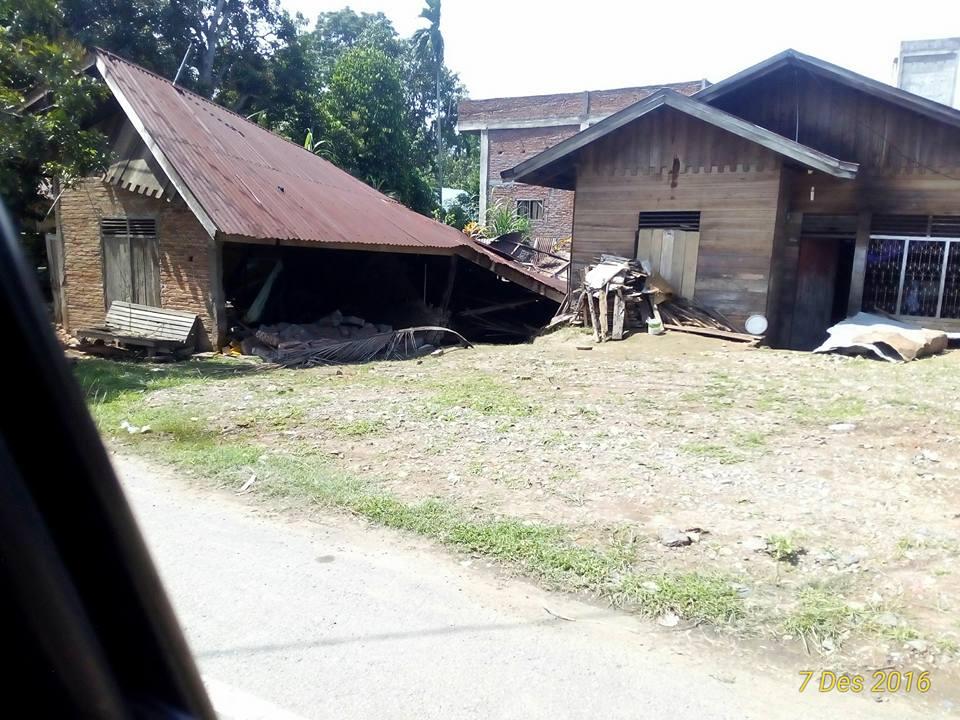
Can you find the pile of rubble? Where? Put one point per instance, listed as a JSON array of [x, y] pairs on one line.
[[618, 294], [339, 338]]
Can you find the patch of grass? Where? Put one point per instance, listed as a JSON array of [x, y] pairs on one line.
[[114, 390], [482, 394], [784, 548], [543, 550], [750, 440], [546, 552], [692, 596], [719, 393], [770, 399], [947, 645], [358, 428], [918, 542], [714, 451], [822, 617], [831, 411]]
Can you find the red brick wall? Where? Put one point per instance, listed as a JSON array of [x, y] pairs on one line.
[[185, 253], [563, 105], [511, 147]]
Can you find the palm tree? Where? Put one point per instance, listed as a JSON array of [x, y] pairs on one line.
[[428, 43]]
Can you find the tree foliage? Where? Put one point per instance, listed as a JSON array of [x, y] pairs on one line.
[[368, 95], [365, 119], [51, 140]]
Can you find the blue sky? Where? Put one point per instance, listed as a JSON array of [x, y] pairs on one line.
[[525, 47]]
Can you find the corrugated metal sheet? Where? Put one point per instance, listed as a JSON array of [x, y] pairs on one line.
[[254, 184]]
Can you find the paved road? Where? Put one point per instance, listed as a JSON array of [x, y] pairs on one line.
[[330, 619]]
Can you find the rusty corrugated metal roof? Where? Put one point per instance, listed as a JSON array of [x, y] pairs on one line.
[[253, 184]]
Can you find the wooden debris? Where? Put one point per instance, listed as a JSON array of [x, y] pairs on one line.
[[594, 320], [604, 320], [712, 332], [619, 313], [639, 296]]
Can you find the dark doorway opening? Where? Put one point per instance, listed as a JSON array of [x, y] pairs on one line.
[[824, 264]]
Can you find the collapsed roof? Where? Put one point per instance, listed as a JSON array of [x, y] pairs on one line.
[[245, 183]]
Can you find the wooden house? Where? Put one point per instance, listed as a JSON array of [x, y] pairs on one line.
[[794, 189]]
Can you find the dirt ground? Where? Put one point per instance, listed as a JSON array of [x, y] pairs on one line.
[[792, 472]]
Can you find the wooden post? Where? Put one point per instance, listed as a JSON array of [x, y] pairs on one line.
[[594, 320], [857, 273], [604, 317], [448, 290], [216, 306], [619, 310]]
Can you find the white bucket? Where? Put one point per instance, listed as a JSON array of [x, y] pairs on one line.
[[654, 326]]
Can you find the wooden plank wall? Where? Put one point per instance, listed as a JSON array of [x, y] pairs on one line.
[[925, 193], [673, 254], [845, 123], [668, 161]]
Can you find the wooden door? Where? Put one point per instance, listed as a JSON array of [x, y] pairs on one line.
[[673, 254], [131, 261], [145, 262], [117, 273], [816, 281]]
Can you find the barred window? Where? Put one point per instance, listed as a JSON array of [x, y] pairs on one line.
[[913, 266]]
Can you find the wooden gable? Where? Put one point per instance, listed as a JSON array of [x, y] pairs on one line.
[[844, 122]]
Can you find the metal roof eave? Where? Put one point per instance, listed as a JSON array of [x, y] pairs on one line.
[[202, 216], [802, 154]]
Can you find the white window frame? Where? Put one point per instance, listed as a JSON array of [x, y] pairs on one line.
[[529, 214]]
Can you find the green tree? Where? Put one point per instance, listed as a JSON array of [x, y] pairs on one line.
[[49, 141], [134, 29], [341, 30], [428, 44], [462, 169], [365, 121], [228, 36]]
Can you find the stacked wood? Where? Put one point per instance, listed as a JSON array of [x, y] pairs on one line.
[[618, 294]]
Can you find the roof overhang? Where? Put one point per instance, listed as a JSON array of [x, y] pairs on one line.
[[822, 68], [540, 169], [202, 215]]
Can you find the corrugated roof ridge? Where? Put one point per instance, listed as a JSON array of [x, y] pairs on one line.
[[208, 101], [574, 93]]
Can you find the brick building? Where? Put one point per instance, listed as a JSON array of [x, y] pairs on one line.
[[514, 129], [198, 200]]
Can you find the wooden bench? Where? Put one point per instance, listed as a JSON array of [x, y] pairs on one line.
[[150, 327]]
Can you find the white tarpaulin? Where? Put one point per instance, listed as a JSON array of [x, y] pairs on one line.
[[883, 337]]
